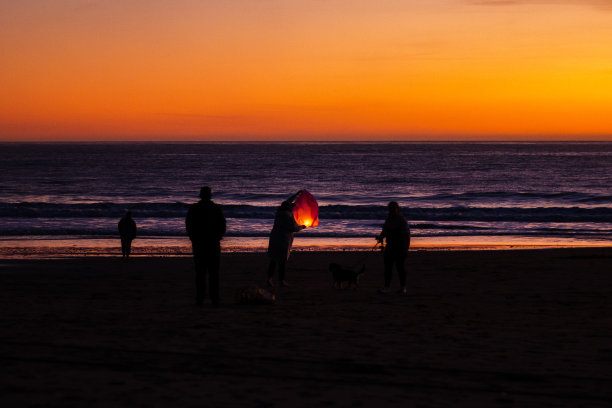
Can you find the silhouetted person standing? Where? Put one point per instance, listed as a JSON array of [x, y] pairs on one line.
[[205, 225], [397, 234], [281, 239], [127, 232]]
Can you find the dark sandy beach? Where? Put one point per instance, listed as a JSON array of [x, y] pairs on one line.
[[478, 328]]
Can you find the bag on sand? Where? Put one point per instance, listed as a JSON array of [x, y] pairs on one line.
[[254, 295]]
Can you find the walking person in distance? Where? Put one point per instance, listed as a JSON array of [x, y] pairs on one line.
[[127, 233]]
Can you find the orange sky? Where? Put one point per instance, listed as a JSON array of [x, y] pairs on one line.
[[305, 69]]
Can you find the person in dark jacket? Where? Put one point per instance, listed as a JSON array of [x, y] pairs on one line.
[[397, 234], [205, 226], [127, 232]]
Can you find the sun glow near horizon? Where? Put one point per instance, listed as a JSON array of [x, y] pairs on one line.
[[334, 70]]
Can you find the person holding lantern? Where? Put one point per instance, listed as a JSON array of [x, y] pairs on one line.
[[397, 234], [281, 239], [127, 232]]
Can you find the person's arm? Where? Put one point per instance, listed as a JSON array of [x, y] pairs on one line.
[[383, 233], [293, 197], [297, 227], [406, 236]]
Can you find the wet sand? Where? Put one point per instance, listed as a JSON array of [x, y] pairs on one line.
[[478, 328]]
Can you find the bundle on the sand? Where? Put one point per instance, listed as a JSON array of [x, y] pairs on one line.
[[254, 295]]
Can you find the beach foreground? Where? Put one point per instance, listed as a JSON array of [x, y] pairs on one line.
[[478, 328]]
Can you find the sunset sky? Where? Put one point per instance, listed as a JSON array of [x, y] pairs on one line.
[[305, 70]]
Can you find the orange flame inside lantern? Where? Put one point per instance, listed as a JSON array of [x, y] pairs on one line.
[[306, 210]]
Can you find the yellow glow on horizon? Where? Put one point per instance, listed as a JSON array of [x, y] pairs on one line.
[[244, 70]]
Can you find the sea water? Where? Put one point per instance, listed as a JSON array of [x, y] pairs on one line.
[[68, 197]]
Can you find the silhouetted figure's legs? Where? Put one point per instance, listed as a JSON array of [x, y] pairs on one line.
[[398, 258], [282, 266], [126, 247], [206, 259], [199, 259]]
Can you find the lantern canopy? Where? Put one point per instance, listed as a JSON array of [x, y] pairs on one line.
[[306, 210]]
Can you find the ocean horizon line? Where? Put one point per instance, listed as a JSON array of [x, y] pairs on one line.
[[305, 142]]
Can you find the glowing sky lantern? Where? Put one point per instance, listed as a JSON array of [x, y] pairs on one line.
[[306, 210]]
